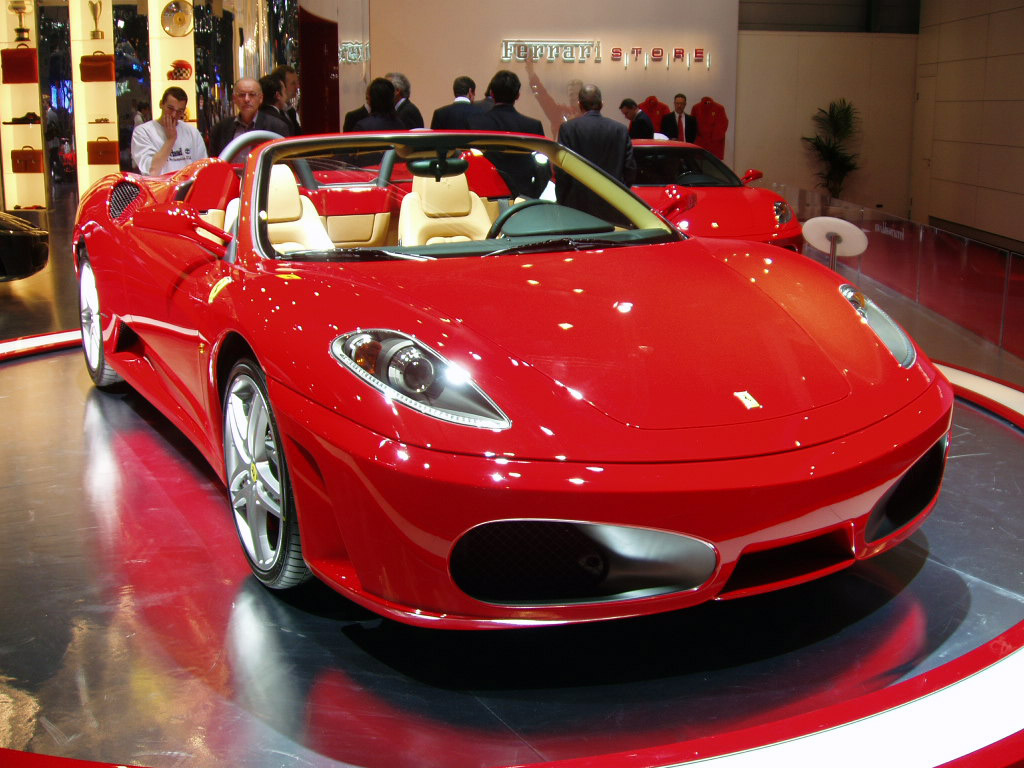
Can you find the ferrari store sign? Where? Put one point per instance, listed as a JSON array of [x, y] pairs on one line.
[[582, 51]]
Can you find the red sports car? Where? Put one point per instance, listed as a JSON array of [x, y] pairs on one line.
[[700, 194], [466, 405]]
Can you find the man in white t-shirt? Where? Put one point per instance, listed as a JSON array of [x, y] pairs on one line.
[[170, 143]]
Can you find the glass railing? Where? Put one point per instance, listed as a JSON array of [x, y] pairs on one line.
[[977, 286]]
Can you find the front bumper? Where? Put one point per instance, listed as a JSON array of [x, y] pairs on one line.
[[388, 525]]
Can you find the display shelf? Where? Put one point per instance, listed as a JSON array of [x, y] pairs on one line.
[[93, 82], [172, 52], [22, 147]]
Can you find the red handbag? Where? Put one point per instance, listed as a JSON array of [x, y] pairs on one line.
[[27, 160], [20, 65], [97, 68], [102, 152]]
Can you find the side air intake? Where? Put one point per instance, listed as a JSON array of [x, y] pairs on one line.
[[122, 200]]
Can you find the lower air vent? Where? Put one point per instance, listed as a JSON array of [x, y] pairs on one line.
[[549, 562], [121, 198], [914, 492]]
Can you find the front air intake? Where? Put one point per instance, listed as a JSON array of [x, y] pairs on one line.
[[551, 562], [122, 199], [911, 495]]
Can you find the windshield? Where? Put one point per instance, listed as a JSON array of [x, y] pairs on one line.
[[423, 196], [685, 166]]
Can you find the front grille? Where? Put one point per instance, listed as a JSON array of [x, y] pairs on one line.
[[759, 571], [122, 196]]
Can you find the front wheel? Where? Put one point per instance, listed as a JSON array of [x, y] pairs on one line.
[[258, 485], [103, 376]]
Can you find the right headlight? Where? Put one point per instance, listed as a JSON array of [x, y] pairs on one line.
[[891, 335], [409, 372], [783, 212]]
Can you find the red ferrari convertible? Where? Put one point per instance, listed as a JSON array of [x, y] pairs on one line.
[[701, 195], [465, 404]]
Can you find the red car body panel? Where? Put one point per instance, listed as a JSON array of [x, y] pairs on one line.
[[720, 390]]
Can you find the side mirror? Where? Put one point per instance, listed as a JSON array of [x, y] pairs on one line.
[[675, 200], [752, 175]]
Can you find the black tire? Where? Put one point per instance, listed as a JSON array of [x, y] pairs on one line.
[[89, 312], [259, 489]]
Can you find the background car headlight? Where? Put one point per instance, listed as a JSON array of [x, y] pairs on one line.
[[783, 212], [891, 335], [409, 372]]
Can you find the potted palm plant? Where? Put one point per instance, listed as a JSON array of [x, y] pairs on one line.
[[835, 128]]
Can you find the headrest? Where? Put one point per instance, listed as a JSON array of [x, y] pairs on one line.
[[283, 203], [447, 197]]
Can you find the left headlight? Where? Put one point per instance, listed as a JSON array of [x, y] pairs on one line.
[[891, 335], [409, 372], [783, 212]]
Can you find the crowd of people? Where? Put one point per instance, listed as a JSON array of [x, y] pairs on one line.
[[168, 142]]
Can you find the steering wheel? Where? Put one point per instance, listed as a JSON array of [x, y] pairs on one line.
[[508, 213], [244, 140]]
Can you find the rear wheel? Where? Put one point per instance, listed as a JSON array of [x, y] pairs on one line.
[[103, 376], [258, 485]]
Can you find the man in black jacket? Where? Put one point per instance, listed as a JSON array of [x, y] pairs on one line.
[[407, 112], [247, 97], [455, 116], [670, 123], [602, 141], [640, 125], [522, 174]]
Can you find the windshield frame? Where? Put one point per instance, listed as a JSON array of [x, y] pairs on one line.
[[644, 225]]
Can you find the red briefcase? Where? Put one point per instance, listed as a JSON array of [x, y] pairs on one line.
[[102, 152], [97, 67], [27, 160], [20, 65]]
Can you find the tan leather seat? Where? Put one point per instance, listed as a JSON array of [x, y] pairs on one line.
[[293, 223], [441, 212]]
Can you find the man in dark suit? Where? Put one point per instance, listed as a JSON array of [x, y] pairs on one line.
[[602, 141], [640, 125], [353, 117], [504, 90], [455, 116], [287, 75], [380, 95], [522, 174], [247, 97], [274, 100], [671, 122], [407, 112]]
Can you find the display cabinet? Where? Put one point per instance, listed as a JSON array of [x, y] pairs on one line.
[[93, 78], [25, 171], [172, 53]]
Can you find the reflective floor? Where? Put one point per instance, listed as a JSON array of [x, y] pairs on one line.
[[132, 631]]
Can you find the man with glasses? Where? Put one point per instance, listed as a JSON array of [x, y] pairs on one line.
[[170, 142], [247, 97]]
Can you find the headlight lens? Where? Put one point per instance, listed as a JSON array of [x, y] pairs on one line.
[[407, 371], [890, 334], [783, 212]]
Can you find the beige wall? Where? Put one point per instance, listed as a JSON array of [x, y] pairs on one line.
[[434, 42], [784, 77], [970, 145]]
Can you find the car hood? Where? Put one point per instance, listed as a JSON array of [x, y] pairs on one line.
[[745, 213], [661, 343], [744, 348]]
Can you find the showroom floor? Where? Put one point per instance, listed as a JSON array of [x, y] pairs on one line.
[[133, 633]]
